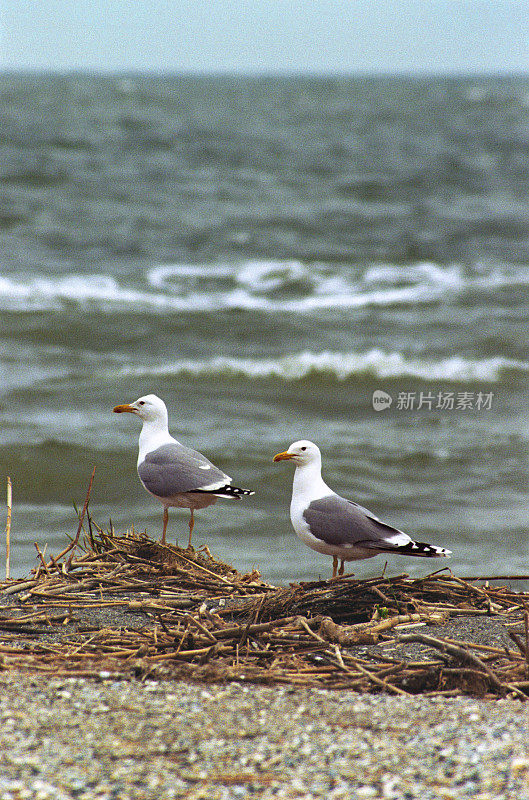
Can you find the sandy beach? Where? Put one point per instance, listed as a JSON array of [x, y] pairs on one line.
[[63, 738], [137, 671]]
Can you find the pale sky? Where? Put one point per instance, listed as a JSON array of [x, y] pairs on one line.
[[344, 36]]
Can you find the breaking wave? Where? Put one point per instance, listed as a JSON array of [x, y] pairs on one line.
[[337, 366], [267, 286]]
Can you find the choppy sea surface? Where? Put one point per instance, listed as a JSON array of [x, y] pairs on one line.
[[266, 254]]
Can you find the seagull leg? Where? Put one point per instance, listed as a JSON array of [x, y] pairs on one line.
[[342, 564], [191, 526], [165, 520], [334, 566]]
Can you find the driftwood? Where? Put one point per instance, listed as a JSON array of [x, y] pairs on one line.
[[183, 614]]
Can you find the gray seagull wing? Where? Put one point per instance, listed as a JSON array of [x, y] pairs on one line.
[[341, 522], [174, 468]]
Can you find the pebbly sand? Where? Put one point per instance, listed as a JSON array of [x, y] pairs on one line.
[[76, 738]]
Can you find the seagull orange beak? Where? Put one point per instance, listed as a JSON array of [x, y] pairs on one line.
[[124, 407], [283, 456]]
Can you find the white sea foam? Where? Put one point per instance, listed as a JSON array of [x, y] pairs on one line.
[[42, 293], [268, 286], [336, 366]]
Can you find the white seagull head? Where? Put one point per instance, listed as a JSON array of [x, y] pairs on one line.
[[301, 453], [148, 408]]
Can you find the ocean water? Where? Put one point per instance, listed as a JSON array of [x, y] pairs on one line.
[[267, 255]]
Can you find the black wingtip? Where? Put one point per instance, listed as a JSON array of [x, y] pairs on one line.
[[227, 491], [235, 491], [425, 550]]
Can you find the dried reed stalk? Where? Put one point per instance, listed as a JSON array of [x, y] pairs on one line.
[[8, 527]]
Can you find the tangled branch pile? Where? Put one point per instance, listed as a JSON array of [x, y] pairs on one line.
[[128, 606]]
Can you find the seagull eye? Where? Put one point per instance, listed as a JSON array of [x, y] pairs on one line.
[[303, 448], [141, 403]]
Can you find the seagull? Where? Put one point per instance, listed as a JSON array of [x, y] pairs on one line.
[[338, 527], [173, 473]]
